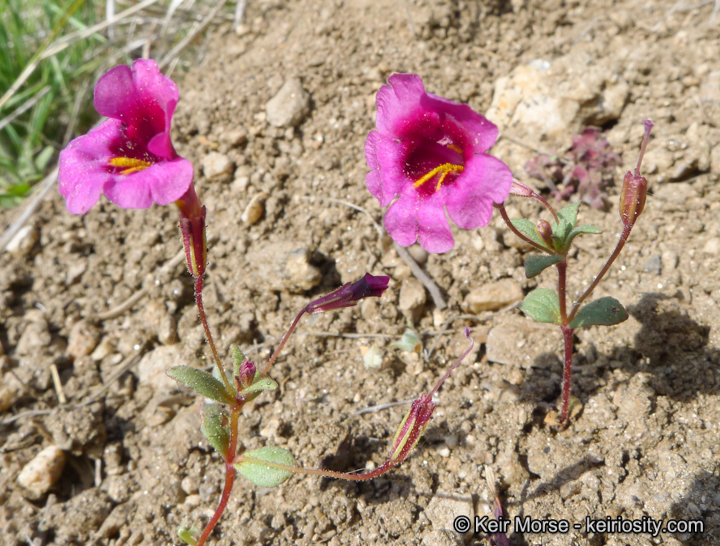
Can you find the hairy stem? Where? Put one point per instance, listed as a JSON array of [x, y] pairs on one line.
[[562, 290], [208, 334], [547, 206], [567, 376], [230, 474], [623, 239], [503, 213]]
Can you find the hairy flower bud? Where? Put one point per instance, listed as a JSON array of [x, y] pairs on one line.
[[349, 294], [632, 198], [545, 232], [247, 373]]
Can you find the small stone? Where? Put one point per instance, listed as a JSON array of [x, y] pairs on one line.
[[234, 138], [84, 337], [493, 296], [715, 159], [443, 509], [217, 166], [23, 241], [653, 265], [669, 260], [254, 210], [712, 246], [41, 473], [300, 272], [189, 485], [74, 272], [290, 106], [152, 367], [412, 298], [418, 253], [10, 391], [104, 348]]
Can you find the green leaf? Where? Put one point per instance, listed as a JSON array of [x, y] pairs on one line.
[[189, 536], [263, 384], [238, 358], [535, 265], [542, 305], [605, 311], [213, 429], [560, 233], [585, 228], [569, 214], [251, 466], [528, 229], [201, 382], [410, 341]]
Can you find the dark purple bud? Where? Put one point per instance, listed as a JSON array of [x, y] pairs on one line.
[[349, 294], [247, 373]]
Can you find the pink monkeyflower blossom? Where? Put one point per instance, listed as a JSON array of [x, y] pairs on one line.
[[129, 157], [350, 293], [429, 153]]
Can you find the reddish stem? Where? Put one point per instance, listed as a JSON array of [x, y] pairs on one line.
[[208, 334], [230, 474], [283, 341], [623, 239], [567, 376], [562, 281]]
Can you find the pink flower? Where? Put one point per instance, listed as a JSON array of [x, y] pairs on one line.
[[350, 293], [128, 157], [429, 152]]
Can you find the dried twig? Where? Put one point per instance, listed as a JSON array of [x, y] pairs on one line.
[[58, 385], [377, 226], [381, 407]]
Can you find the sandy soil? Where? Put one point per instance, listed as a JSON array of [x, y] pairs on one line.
[[645, 442]]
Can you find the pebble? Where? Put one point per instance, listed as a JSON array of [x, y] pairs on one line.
[[653, 265], [290, 106], [23, 241], [712, 246], [418, 253], [443, 509], [217, 166], [189, 485], [152, 367], [10, 391], [715, 160], [412, 298], [493, 296], [41, 473], [254, 210], [669, 260], [84, 337], [300, 272]]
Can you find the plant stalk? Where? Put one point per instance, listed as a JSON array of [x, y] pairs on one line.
[[567, 376], [503, 213], [208, 334]]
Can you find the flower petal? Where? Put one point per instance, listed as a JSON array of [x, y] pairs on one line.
[[160, 95], [397, 101], [163, 183], [401, 221], [481, 133], [115, 93], [485, 180], [434, 232], [83, 166], [384, 157]]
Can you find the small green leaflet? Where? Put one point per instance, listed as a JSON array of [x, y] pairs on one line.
[[217, 435], [529, 230], [250, 465], [535, 265], [542, 305], [263, 384], [569, 214], [201, 382], [605, 311]]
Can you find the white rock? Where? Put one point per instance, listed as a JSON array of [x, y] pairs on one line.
[[84, 337], [217, 166], [300, 272], [152, 366], [443, 509], [254, 210], [412, 298], [493, 296], [712, 246], [290, 106], [715, 159], [23, 241], [550, 100], [41, 473]]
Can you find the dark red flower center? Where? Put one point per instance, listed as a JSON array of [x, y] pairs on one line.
[[432, 164]]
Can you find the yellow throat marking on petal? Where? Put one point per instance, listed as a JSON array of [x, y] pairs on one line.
[[443, 170], [458, 149], [132, 165]]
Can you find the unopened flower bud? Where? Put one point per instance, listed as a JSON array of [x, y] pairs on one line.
[[545, 232], [349, 294], [247, 372], [632, 198], [412, 427], [520, 189]]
